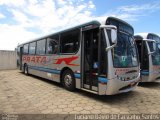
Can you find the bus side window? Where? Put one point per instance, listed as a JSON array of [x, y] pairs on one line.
[[70, 41], [41, 47], [52, 44], [32, 48], [25, 49]]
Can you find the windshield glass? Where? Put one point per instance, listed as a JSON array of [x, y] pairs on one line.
[[151, 46], [125, 54], [156, 54]]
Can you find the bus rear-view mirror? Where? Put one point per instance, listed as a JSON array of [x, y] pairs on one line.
[[153, 48], [114, 36], [151, 45]]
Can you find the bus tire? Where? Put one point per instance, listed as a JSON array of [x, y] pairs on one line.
[[26, 69], [68, 80]]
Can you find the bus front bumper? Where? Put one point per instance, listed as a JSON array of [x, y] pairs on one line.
[[151, 77], [116, 86]]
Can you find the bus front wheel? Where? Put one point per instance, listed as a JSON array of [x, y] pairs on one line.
[[68, 80]]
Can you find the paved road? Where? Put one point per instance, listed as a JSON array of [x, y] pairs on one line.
[[29, 94]]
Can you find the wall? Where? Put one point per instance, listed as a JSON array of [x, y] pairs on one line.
[[8, 60]]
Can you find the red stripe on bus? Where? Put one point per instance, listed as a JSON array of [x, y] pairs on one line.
[[67, 60]]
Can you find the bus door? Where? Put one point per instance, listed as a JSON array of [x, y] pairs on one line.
[[89, 60], [20, 57], [143, 55], [140, 45]]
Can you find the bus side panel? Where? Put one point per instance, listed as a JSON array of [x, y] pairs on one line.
[[43, 66], [71, 62], [50, 67]]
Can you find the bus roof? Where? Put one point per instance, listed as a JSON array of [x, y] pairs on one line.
[[145, 35], [99, 21], [92, 22]]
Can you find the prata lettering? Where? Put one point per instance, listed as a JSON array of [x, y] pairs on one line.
[[35, 59]]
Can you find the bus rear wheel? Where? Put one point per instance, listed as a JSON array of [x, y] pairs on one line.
[[68, 80]]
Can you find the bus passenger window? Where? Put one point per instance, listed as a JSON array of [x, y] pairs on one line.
[[41, 47], [70, 41], [52, 45], [25, 49], [32, 48]]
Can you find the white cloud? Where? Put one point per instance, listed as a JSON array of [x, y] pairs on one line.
[[11, 35], [133, 12], [134, 8], [1, 16], [91, 5], [33, 1], [21, 19], [12, 2], [61, 2], [47, 16]]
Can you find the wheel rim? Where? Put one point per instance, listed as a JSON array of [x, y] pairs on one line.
[[68, 80]]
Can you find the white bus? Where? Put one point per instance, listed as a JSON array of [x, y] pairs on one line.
[[98, 57], [148, 45]]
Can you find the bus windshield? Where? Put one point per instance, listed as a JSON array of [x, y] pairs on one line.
[[125, 54], [156, 54]]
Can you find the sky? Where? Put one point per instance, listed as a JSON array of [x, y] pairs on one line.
[[24, 20]]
